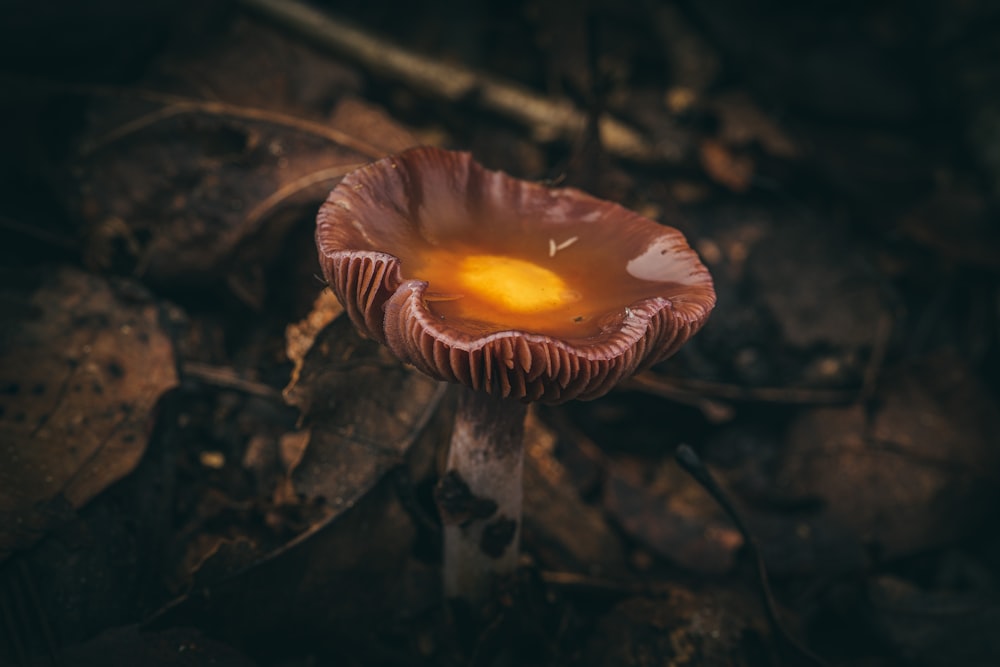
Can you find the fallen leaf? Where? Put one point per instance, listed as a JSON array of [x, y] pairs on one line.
[[743, 122], [363, 410], [352, 580], [957, 222], [725, 166], [710, 627], [923, 474], [82, 367], [936, 627], [816, 286], [200, 175], [300, 336], [359, 118], [668, 512], [174, 647], [563, 531], [805, 543]]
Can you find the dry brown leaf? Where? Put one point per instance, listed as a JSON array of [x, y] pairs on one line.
[[203, 182], [743, 122], [359, 118], [707, 627], [81, 369], [349, 580], [299, 336], [564, 531], [815, 284], [725, 166], [363, 410], [940, 626], [666, 510], [924, 474], [173, 647], [958, 222]]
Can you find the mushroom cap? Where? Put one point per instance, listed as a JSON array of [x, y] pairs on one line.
[[504, 285]]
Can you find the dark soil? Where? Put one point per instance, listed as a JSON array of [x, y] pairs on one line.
[[201, 462]]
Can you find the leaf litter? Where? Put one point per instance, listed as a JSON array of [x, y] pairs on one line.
[[838, 392]]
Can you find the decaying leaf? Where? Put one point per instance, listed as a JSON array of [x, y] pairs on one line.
[[668, 512], [709, 627], [82, 366], [923, 474], [564, 531], [742, 122], [300, 336], [816, 286], [956, 221], [193, 184], [805, 543], [362, 408], [344, 583], [937, 627], [725, 166], [176, 647], [361, 411]]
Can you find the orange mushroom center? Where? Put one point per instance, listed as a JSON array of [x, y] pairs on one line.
[[501, 292], [514, 284]]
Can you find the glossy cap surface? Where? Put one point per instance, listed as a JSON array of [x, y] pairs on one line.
[[505, 285]]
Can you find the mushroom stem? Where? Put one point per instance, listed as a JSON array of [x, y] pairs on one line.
[[479, 497]]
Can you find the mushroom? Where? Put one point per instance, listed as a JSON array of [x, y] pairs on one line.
[[518, 293]]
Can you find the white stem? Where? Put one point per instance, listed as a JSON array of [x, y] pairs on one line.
[[479, 496]]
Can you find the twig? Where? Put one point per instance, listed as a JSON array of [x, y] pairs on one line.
[[227, 378], [548, 119], [883, 334], [586, 582], [178, 105], [716, 412], [690, 461], [671, 387], [40, 235], [289, 190], [173, 105]]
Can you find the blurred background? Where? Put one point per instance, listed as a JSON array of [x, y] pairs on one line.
[[202, 463]]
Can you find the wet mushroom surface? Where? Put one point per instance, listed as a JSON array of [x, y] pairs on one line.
[[457, 268], [506, 285]]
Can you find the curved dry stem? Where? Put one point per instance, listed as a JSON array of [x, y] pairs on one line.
[[296, 186], [178, 105]]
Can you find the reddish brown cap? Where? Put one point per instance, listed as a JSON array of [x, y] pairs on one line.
[[503, 285]]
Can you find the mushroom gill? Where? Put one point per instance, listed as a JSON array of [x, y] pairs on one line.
[[504, 285]]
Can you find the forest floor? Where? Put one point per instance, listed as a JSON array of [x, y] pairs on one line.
[[201, 461]]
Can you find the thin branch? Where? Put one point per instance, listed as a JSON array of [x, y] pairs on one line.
[[37, 234], [691, 462], [547, 119], [691, 388], [227, 378], [588, 583], [178, 105], [883, 334], [289, 190], [717, 412]]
